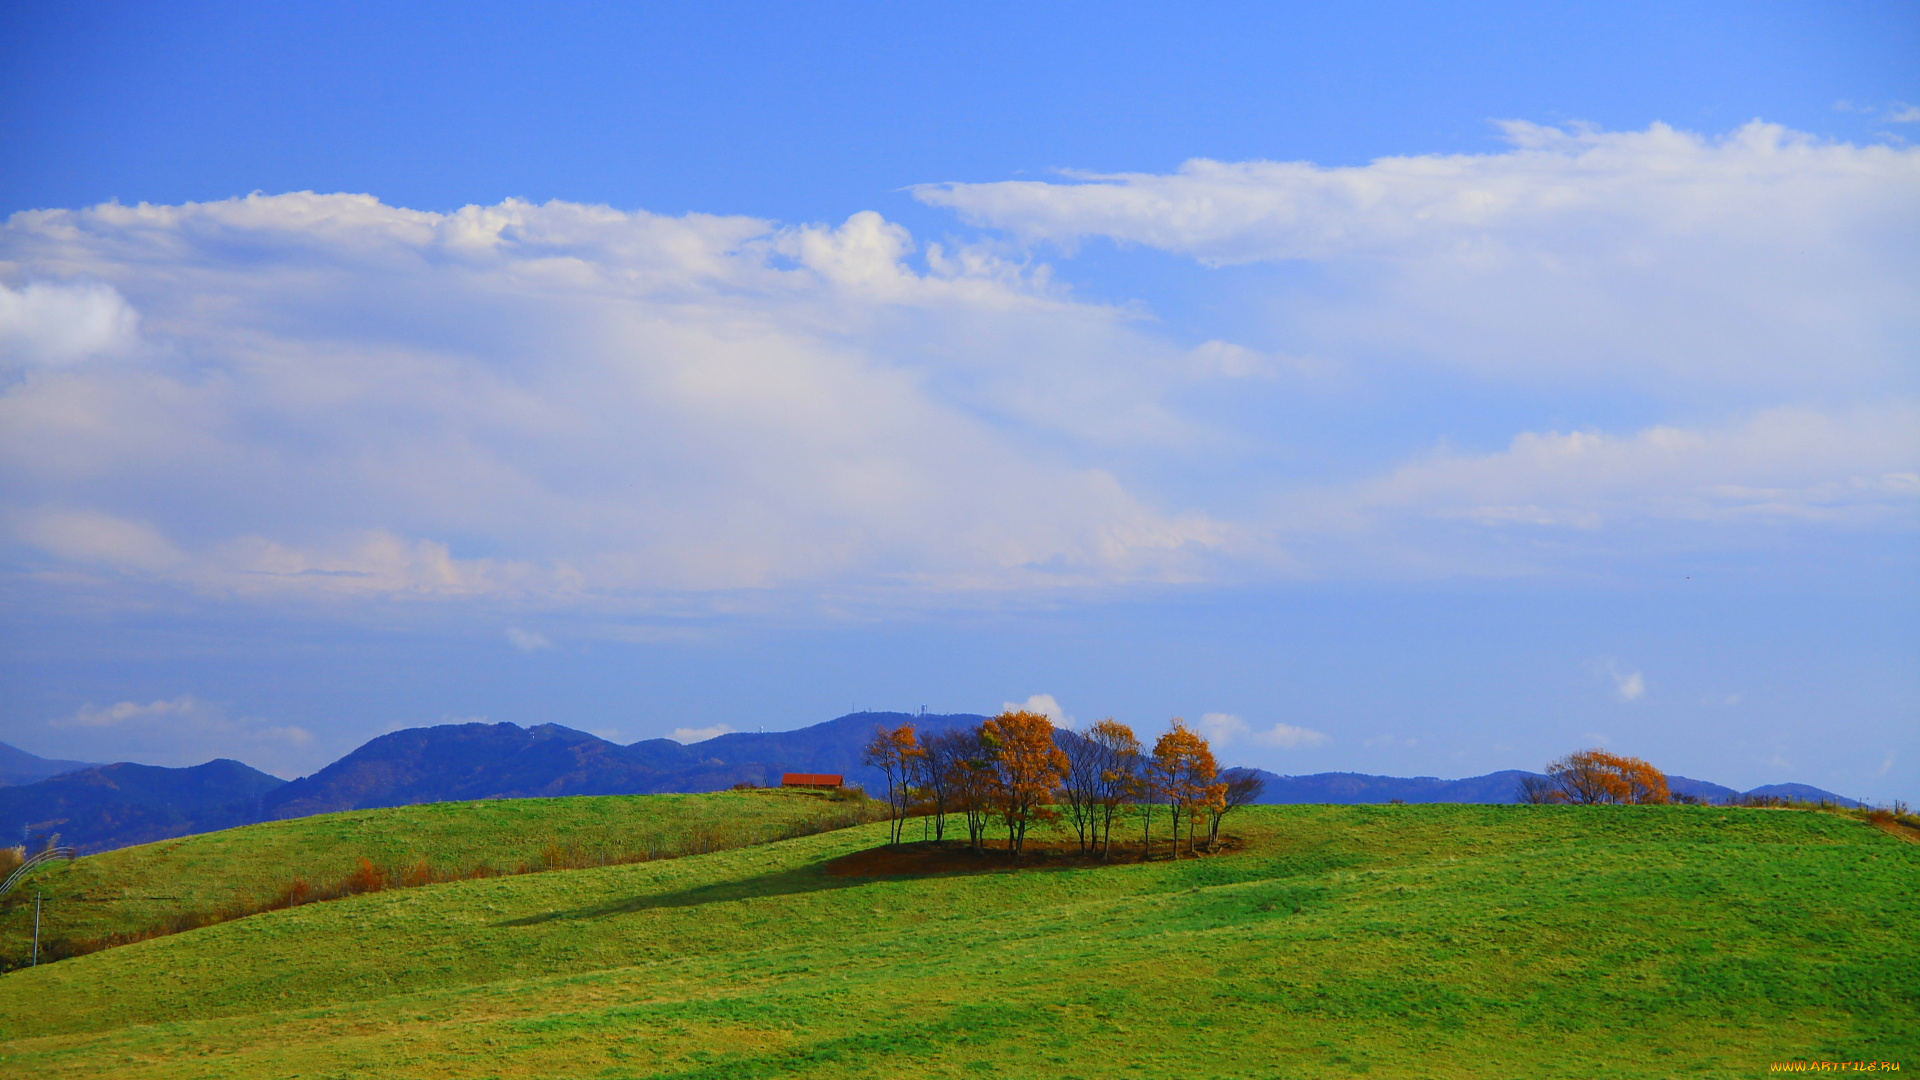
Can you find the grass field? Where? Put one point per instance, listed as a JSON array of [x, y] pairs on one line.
[[1416, 941], [136, 888]]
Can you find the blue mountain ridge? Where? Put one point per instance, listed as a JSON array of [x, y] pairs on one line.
[[19, 767], [102, 807]]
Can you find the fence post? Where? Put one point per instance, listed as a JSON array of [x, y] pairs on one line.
[[36, 929]]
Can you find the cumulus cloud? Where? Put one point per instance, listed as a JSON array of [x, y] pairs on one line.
[[693, 735], [90, 537], [566, 406], [1043, 705], [1222, 728], [1854, 466], [1628, 686], [182, 731], [1289, 737], [1225, 729], [527, 641], [51, 323], [599, 401], [1637, 256]]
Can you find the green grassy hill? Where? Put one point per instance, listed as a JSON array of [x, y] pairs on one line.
[[137, 888], [1436, 940]]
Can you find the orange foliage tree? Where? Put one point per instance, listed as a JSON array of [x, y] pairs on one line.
[[894, 752], [1027, 769], [1118, 779], [1590, 777], [1183, 774], [1103, 766]]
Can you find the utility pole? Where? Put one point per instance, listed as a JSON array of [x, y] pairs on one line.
[[36, 929]]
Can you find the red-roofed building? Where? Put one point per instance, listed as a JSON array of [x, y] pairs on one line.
[[810, 779]]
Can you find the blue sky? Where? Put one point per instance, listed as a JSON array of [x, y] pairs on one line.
[[1386, 387]]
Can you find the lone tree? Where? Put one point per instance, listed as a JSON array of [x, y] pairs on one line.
[[1027, 768], [895, 753], [1593, 777]]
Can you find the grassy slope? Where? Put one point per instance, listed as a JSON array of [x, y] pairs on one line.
[[1448, 941], [137, 887]]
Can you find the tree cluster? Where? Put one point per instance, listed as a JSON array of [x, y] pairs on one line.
[[1591, 777], [1016, 770]]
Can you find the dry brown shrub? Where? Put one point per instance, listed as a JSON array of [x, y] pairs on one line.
[[365, 879]]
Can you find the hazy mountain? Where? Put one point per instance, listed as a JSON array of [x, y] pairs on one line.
[[506, 761], [1495, 787], [1803, 792], [19, 767], [110, 806], [106, 806]]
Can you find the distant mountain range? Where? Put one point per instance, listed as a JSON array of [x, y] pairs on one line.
[[110, 806], [19, 767], [506, 761], [100, 807], [1495, 787]]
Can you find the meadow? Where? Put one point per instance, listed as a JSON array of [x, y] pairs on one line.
[[139, 889], [1380, 941]]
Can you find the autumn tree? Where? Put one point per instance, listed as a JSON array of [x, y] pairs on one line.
[[1238, 788], [1590, 777], [971, 781], [940, 756], [895, 753], [1115, 771], [1183, 774], [1027, 769]]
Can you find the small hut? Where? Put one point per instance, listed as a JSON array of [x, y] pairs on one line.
[[811, 780]]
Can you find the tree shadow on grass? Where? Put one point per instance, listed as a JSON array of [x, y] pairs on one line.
[[797, 881], [909, 860]]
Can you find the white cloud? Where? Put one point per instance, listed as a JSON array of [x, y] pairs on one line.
[[694, 735], [1629, 686], [1762, 258], [1222, 728], [1043, 705], [88, 537], [181, 731], [602, 402], [527, 641], [1846, 469], [567, 406], [1901, 113], [1289, 737], [1400, 742], [1800, 463], [48, 323], [1225, 729]]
